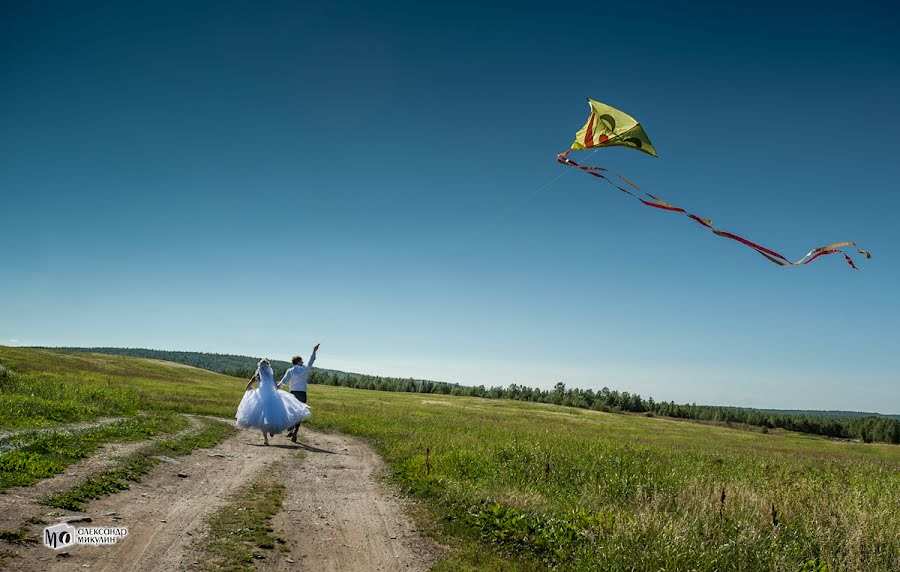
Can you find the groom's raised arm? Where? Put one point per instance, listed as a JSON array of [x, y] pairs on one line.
[[312, 358]]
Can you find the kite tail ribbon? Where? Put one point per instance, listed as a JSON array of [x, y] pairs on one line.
[[658, 203]]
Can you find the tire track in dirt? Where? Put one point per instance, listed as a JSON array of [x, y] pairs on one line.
[[20, 503], [9, 441]]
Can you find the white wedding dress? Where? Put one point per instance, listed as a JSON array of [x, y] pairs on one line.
[[268, 409]]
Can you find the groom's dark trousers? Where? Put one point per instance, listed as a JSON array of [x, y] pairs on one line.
[[301, 397]]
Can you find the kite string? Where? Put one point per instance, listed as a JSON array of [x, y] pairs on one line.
[[533, 194]]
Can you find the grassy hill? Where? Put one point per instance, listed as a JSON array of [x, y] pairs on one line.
[[838, 424], [222, 363], [229, 364], [68, 386], [518, 486]]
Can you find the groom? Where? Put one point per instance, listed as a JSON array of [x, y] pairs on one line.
[[296, 378]]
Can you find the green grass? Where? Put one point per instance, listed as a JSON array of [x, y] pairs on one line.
[[134, 466], [520, 486], [240, 533], [17, 537]]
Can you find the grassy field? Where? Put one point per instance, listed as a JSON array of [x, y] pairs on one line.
[[521, 486], [584, 490]]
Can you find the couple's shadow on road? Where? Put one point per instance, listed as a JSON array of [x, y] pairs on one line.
[[298, 445], [312, 449]]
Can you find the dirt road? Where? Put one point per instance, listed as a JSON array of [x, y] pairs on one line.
[[337, 514]]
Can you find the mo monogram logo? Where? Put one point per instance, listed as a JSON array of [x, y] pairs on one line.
[[59, 536]]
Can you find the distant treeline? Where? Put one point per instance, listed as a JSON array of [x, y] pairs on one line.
[[830, 414], [869, 428]]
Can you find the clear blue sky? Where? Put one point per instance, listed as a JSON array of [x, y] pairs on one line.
[[254, 177]]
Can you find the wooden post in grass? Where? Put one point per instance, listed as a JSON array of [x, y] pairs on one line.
[[774, 516], [722, 502], [427, 461]]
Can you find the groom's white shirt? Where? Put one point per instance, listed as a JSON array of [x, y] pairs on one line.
[[296, 376]]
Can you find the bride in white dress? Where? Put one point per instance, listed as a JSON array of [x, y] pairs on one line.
[[267, 409]]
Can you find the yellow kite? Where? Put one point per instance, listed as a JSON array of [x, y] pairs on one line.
[[608, 126]]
